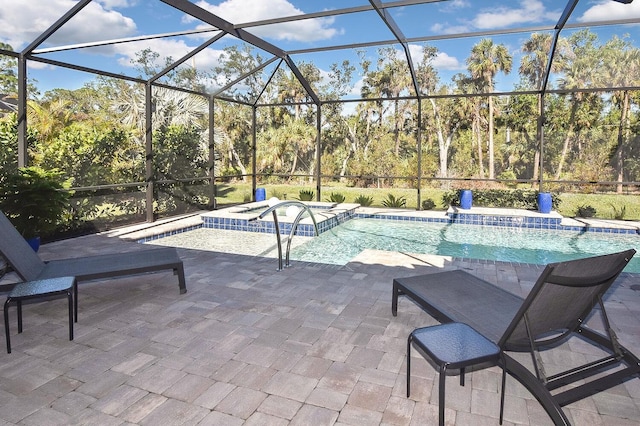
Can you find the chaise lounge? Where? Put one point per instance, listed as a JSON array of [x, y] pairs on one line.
[[557, 307], [29, 266]]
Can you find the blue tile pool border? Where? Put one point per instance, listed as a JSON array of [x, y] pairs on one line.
[[268, 226], [168, 233], [504, 221], [307, 230]]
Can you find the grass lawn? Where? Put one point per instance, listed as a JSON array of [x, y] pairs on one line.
[[607, 206]]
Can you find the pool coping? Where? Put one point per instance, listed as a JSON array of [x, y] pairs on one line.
[[505, 217], [247, 218], [475, 216]]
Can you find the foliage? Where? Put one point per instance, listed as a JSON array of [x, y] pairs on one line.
[[515, 199], [34, 200], [585, 211], [393, 202], [96, 134], [306, 195], [8, 145], [336, 197], [428, 204], [508, 175], [178, 153], [9, 142], [92, 154], [619, 213], [363, 200]]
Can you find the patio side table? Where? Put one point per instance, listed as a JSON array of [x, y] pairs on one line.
[[454, 346], [51, 287]]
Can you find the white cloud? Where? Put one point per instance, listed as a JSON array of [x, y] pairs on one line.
[[175, 49], [112, 4], [441, 61], [454, 5], [607, 10], [530, 11], [450, 29], [238, 11], [527, 12], [19, 26], [445, 62], [357, 87]]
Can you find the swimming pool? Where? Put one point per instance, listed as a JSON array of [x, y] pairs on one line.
[[537, 246], [342, 243]]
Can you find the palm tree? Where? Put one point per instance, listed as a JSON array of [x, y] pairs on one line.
[[50, 117], [623, 67], [471, 107], [486, 60], [582, 70], [533, 67]]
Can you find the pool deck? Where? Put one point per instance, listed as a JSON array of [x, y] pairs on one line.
[[312, 344]]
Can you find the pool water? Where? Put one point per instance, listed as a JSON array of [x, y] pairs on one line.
[[344, 242]]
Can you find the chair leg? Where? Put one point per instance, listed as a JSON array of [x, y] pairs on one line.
[[70, 299], [462, 371], [504, 383], [19, 304], [442, 379], [409, 364], [6, 325], [75, 300]]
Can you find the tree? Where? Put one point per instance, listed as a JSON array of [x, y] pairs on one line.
[[472, 107], [532, 68], [622, 63], [486, 60], [8, 71], [235, 63], [445, 120], [583, 69]]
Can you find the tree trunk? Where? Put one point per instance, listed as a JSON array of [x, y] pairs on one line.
[[396, 130], [295, 163], [618, 157], [492, 169], [567, 139], [479, 141], [563, 156], [443, 146], [243, 169]]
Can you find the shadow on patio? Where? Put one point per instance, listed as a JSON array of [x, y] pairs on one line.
[[312, 344]]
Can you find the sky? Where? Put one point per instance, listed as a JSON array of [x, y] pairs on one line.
[[22, 21]]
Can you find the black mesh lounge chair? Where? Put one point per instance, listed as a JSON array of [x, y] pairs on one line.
[[557, 306], [30, 267]]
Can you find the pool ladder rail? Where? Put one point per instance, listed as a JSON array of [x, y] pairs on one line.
[[294, 226]]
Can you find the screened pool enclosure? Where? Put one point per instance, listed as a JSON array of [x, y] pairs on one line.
[[406, 95]]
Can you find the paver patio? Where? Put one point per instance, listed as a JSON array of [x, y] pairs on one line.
[[312, 344]]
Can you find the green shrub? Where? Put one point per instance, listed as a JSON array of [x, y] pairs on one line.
[[278, 194], [585, 211], [363, 200], [336, 197], [619, 214], [428, 204], [306, 195], [392, 201], [509, 175], [34, 200], [451, 198], [510, 198]]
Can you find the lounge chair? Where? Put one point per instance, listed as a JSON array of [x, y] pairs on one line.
[[30, 267], [557, 306]]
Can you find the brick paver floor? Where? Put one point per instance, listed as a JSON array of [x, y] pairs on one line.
[[310, 345]]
